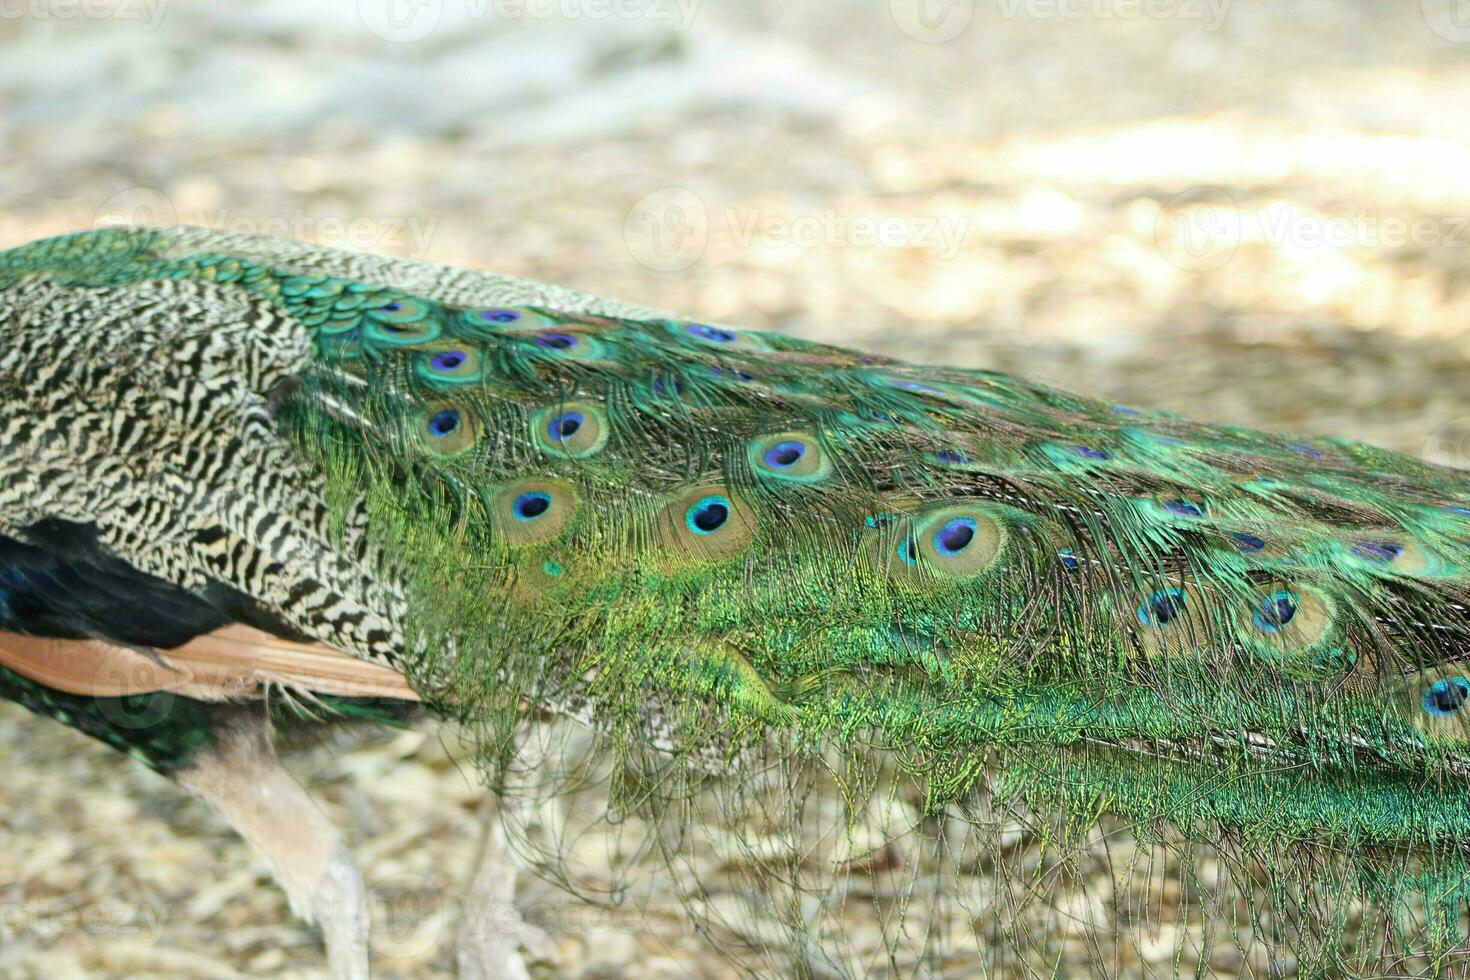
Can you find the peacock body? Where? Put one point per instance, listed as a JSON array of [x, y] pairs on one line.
[[747, 565]]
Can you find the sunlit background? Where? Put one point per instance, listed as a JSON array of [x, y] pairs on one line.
[[1256, 212]]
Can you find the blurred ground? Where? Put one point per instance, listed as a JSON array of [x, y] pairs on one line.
[[1247, 212]]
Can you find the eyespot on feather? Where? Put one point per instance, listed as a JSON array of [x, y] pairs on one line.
[[1391, 551], [948, 541], [960, 540], [533, 510], [723, 338], [564, 343], [576, 429], [794, 456], [400, 321], [499, 320], [706, 522], [1172, 618], [1294, 626], [1435, 701], [450, 364], [399, 309], [1183, 505], [447, 430]]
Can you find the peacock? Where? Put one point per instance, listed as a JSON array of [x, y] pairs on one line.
[[877, 621]]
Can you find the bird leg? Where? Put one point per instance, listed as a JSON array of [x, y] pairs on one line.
[[492, 932], [244, 781]]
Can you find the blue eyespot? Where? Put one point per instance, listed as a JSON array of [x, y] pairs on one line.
[[1306, 450], [391, 307], [784, 455], [500, 316], [907, 385], [708, 514], [555, 341], [1248, 542], [1069, 560], [951, 456], [1125, 410], [1446, 696], [1275, 611], [715, 335], [1162, 608], [448, 360], [672, 387], [564, 426], [1378, 552], [1089, 453], [1184, 508], [908, 550], [730, 374], [955, 536], [1457, 509], [444, 423], [529, 506]]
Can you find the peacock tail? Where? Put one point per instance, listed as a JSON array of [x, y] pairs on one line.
[[788, 586]]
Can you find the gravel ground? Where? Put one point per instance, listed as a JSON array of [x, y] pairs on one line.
[[1245, 212]]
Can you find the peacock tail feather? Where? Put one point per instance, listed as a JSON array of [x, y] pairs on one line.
[[762, 573]]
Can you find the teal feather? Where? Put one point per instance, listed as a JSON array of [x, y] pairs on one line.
[[733, 552]]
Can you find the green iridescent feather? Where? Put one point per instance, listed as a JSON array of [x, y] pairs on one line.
[[752, 565]]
